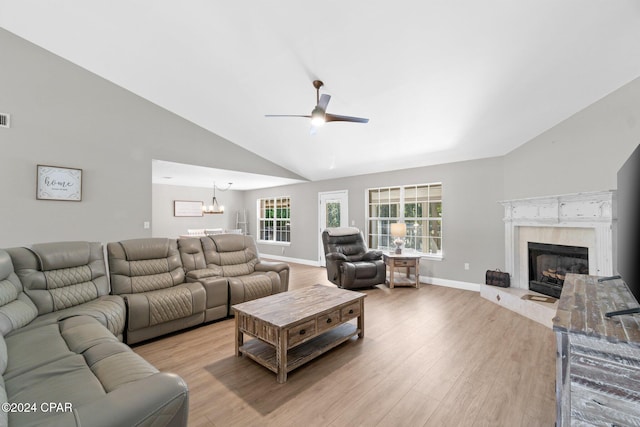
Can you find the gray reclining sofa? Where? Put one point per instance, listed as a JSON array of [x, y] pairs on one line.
[[234, 258], [170, 285]]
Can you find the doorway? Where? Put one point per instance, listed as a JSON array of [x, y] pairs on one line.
[[333, 211]]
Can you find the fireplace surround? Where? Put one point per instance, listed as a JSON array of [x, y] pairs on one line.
[[584, 220], [581, 219]]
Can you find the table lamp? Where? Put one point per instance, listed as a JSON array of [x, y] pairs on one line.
[[399, 231]]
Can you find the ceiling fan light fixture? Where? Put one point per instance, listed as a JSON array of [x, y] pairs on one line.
[[317, 117], [319, 114]]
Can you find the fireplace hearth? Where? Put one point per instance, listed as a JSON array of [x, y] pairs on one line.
[[549, 264]]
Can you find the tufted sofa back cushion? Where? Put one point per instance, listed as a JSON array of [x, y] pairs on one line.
[[230, 255], [142, 265], [60, 275], [16, 309]]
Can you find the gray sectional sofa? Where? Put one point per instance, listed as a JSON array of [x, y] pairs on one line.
[[61, 358], [63, 319]]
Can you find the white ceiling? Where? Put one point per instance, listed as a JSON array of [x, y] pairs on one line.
[[440, 81]]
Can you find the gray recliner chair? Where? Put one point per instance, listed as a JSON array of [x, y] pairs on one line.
[[350, 263]]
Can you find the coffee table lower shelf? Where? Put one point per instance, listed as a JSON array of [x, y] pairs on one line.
[[265, 354]]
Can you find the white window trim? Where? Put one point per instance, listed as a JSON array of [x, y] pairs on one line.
[[258, 218], [423, 255]]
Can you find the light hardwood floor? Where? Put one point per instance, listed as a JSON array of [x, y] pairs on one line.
[[432, 356]]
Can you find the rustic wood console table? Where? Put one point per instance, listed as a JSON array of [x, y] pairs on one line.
[[598, 358]]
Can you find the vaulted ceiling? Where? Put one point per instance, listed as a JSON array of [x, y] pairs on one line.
[[440, 81]]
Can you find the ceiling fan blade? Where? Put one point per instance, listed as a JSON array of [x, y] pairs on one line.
[[324, 101], [287, 115], [338, 118]]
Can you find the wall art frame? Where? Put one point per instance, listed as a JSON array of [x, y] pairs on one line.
[[58, 183], [187, 208]]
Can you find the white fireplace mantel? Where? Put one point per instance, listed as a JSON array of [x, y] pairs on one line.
[[570, 219]]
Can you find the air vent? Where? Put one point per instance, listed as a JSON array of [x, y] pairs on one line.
[[5, 120]]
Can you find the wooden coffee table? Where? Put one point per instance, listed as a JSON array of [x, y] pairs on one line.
[[294, 327]]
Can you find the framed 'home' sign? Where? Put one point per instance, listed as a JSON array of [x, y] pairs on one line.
[[58, 183]]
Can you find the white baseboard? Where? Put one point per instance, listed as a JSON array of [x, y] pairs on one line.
[[451, 283], [289, 259]]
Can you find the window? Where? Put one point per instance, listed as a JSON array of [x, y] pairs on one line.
[[333, 214], [274, 219], [419, 206]]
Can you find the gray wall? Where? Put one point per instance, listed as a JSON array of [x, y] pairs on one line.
[[167, 225], [63, 115], [472, 220], [582, 153]]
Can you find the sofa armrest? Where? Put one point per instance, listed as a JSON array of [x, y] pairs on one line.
[[201, 274], [271, 266], [372, 255], [336, 256], [347, 273], [282, 268], [216, 289], [162, 398]]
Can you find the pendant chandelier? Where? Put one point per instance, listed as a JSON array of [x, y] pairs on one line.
[[215, 207]]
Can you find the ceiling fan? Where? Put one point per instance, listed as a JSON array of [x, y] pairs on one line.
[[319, 114]]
